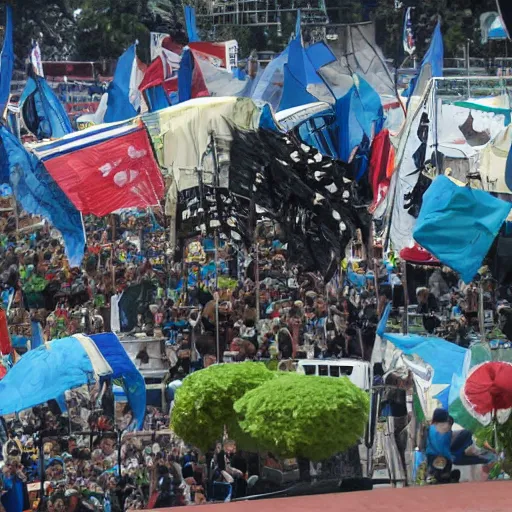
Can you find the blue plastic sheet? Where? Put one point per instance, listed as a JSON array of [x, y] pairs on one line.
[[119, 106], [157, 98], [6, 61], [381, 327], [39, 194], [444, 357], [459, 224], [267, 87], [44, 374], [359, 114], [123, 368], [267, 119], [37, 335], [320, 55], [295, 93]]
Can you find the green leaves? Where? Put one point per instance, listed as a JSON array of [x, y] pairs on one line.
[[204, 403], [286, 413], [310, 417]]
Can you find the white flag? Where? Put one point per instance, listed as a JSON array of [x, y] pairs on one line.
[[156, 43], [35, 58]]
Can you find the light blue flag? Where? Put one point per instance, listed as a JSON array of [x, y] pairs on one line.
[[39, 194]]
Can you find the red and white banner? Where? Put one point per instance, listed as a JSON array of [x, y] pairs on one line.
[[102, 173], [222, 55]]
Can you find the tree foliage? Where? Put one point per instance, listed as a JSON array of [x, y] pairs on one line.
[[204, 403], [460, 22], [304, 416]]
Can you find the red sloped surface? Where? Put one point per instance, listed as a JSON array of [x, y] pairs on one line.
[[473, 497]]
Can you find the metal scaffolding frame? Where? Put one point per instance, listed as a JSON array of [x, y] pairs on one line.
[[261, 12]]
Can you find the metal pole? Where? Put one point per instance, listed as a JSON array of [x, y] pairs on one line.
[[41, 469], [217, 327], [257, 277], [481, 316], [216, 182], [406, 298]]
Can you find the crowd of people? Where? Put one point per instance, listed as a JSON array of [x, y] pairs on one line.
[[220, 303]]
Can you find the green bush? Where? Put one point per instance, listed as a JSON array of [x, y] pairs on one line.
[[204, 403], [304, 416]]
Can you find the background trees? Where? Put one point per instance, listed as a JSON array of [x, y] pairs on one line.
[[103, 29]]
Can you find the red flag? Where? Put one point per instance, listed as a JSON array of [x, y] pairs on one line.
[[5, 339], [107, 172], [199, 88], [162, 69]]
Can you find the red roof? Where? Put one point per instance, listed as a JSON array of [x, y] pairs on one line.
[[472, 497]]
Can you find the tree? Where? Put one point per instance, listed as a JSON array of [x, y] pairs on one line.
[[304, 416], [460, 22], [108, 27], [204, 403], [52, 23]]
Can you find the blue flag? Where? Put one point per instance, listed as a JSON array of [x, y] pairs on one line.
[[185, 75], [119, 106], [42, 112], [6, 61], [432, 63], [190, 22], [39, 194]]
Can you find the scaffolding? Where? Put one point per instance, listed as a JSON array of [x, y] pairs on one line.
[[255, 13]]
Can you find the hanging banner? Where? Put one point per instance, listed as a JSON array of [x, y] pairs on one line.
[[156, 43], [221, 55], [408, 35], [35, 58]]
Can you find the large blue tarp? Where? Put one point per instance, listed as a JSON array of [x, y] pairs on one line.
[[39, 194], [44, 374], [445, 358], [119, 106], [459, 224], [6, 61], [42, 111], [123, 368]]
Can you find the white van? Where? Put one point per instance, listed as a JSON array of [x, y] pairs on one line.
[[359, 372]]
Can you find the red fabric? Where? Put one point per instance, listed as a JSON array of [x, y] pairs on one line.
[[5, 339], [216, 51], [417, 254], [171, 45], [379, 159], [159, 71], [154, 75], [119, 172], [199, 88], [3, 371], [489, 387]]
